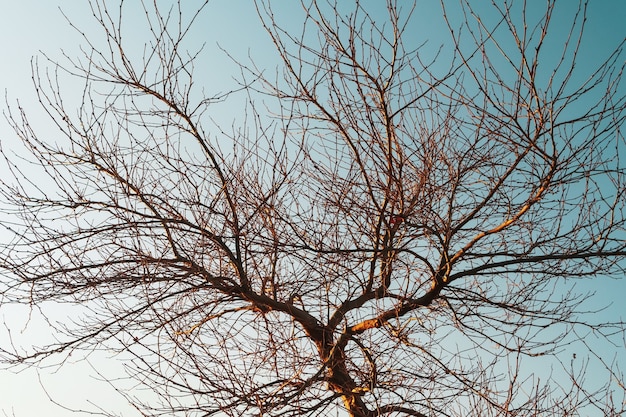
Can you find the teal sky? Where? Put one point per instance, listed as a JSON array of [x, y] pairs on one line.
[[29, 27]]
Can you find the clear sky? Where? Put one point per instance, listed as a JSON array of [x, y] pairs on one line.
[[30, 26]]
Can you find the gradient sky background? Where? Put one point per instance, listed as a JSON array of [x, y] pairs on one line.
[[30, 26]]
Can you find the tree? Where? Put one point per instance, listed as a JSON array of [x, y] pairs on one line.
[[391, 229]]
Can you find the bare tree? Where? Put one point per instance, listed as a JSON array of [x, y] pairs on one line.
[[392, 230]]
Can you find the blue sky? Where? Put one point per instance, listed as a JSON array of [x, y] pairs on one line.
[[30, 26]]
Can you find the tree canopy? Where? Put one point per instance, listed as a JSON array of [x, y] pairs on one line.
[[389, 229]]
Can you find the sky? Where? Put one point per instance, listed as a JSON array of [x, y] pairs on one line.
[[29, 28]]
